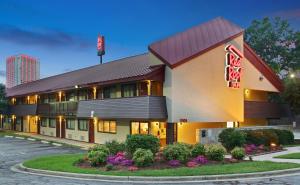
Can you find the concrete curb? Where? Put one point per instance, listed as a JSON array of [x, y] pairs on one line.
[[136, 179]]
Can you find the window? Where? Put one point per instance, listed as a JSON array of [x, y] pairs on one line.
[[139, 128], [71, 96], [51, 98], [71, 124], [110, 92], [128, 90], [107, 126], [82, 95], [44, 122], [83, 124], [18, 120], [52, 123]]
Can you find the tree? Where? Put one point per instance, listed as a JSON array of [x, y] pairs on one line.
[[3, 99], [276, 43], [291, 94]]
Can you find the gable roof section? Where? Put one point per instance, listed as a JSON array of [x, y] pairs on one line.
[[183, 46], [126, 69], [261, 66]]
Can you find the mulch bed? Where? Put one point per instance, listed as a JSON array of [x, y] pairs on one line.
[[155, 166]]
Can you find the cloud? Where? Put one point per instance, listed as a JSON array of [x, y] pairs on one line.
[[2, 73], [45, 38], [288, 14]]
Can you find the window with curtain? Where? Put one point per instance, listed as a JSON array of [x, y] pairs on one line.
[[44, 122], [52, 122], [83, 124], [71, 124], [71, 96], [107, 126], [128, 90], [82, 95]]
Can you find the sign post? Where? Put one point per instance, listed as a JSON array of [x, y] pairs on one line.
[[100, 47]]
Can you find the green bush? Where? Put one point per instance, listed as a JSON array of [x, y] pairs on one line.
[[115, 147], [197, 150], [97, 158], [99, 147], [143, 157], [231, 138], [285, 137], [148, 142], [177, 151], [238, 153], [215, 152], [261, 137], [97, 155]]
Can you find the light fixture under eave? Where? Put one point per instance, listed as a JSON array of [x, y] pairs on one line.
[[76, 87]]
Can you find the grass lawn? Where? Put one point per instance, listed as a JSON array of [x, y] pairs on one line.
[[289, 156], [64, 163], [7, 132], [292, 145]]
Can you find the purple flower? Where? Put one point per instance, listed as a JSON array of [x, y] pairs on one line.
[[127, 162], [174, 163], [200, 159]]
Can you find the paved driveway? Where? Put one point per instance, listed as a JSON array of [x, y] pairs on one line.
[[13, 151]]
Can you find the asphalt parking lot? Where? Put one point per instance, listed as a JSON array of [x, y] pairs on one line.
[[14, 151]]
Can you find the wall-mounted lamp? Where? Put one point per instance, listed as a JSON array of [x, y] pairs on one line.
[[261, 78]]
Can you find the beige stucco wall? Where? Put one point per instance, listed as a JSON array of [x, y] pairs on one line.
[[25, 124], [77, 134], [123, 129], [186, 132], [197, 90], [253, 95], [251, 79], [48, 131]]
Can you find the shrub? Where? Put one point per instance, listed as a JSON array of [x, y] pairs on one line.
[[231, 138], [143, 157], [261, 137], [197, 150], [285, 137], [200, 159], [177, 151], [250, 148], [215, 152], [109, 167], [115, 147], [97, 157], [174, 163], [148, 142], [99, 148], [238, 153], [116, 159]]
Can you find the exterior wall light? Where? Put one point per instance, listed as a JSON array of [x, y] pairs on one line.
[[76, 87], [247, 92], [261, 78]]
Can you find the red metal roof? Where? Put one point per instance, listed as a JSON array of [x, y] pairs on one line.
[[122, 70], [183, 46], [260, 65]]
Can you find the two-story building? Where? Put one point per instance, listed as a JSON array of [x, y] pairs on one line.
[[204, 77]]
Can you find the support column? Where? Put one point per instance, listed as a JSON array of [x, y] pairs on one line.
[[171, 133]]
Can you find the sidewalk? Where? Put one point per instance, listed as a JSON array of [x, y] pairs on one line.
[[82, 145], [269, 157]]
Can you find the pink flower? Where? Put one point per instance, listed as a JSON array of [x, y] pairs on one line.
[[132, 168], [191, 164]]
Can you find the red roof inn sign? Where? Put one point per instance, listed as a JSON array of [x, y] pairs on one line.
[[233, 68]]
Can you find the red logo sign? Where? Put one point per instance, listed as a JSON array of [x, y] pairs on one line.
[[100, 45], [233, 68]]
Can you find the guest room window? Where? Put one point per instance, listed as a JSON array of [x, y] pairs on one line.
[[139, 128], [107, 126]]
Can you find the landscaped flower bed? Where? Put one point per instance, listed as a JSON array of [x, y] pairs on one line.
[[142, 152]]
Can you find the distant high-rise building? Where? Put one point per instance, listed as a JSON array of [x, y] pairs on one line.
[[21, 69]]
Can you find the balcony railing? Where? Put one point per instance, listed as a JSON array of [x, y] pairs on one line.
[[255, 109], [57, 108]]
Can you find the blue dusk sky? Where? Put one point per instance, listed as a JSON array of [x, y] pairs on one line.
[[62, 34]]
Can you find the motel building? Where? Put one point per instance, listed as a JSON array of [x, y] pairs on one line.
[[204, 77]]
